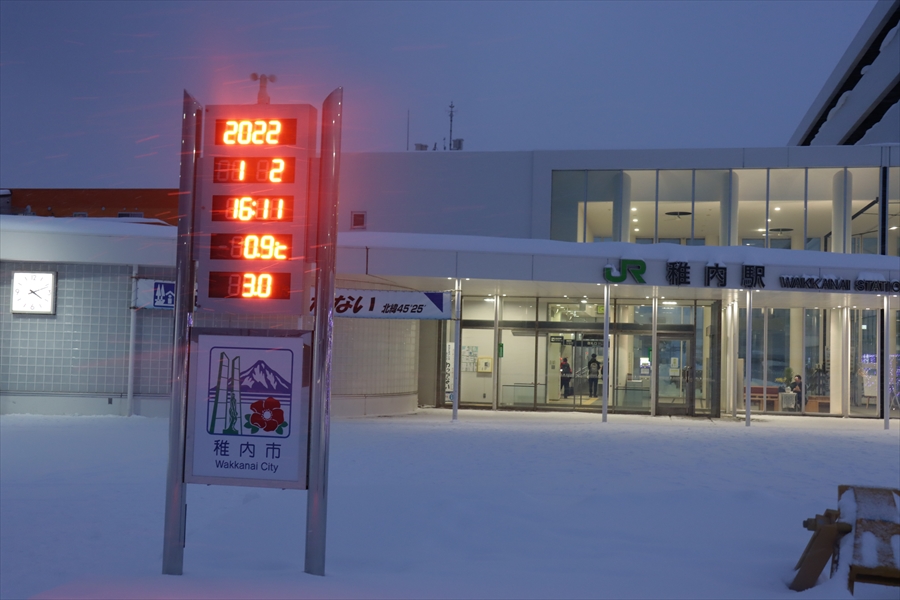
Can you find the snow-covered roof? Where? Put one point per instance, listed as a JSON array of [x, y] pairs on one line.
[[111, 241]]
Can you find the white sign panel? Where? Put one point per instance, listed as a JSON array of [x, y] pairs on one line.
[[152, 293], [389, 304], [248, 412]]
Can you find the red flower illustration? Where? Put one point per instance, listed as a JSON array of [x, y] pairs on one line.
[[267, 414]]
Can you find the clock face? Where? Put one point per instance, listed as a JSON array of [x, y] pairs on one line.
[[34, 293]]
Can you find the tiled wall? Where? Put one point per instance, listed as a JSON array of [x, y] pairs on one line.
[[154, 342], [375, 356], [83, 348]]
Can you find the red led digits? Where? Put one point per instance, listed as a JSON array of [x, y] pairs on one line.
[[253, 170], [252, 208], [248, 132], [257, 285], [255, 132]]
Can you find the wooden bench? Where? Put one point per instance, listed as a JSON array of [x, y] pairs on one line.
[[872, 559]]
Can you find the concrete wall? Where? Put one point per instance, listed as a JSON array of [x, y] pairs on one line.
[[460, 193]]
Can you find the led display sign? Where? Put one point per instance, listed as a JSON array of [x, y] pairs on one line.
[[256, 132], [251, 226], [253, 208]]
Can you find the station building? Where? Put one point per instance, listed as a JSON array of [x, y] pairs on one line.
[[697, 262]]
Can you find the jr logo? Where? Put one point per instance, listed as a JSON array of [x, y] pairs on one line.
[[634, 267]]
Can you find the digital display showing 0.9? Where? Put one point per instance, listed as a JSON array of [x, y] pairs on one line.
[[272, 286], [256, 132], [253, 208], [253, 170], [228, 246]]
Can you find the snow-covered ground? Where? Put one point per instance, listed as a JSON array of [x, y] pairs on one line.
[[512, 505]]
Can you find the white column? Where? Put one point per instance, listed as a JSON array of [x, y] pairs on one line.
[[840, 211], [839, 360]]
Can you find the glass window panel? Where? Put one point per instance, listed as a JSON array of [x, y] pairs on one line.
[[642, 206], [518, 309], [864, 190], [817, 382], [586, 310], [864, 363], [603, 187], [819, 205], [566, 197], [516, 368], [779, 371], [710, 193], [787, 213], [475, 386], [675, 205], [478, 308], [893, 220], [749, 187]]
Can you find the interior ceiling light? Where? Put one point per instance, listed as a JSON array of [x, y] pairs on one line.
[[893, 228], [636, 229], [670, 302], [634, 220], [584, 301], [633, 209]]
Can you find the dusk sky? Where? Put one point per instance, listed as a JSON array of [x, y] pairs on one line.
[[90, 93]]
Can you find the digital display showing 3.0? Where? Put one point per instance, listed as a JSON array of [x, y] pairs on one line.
[[228, 246], [253, 208], [237, 284], [253, 170], [256, 132]]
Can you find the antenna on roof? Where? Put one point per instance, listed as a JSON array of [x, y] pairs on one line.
[[263, 96], [451, 111]]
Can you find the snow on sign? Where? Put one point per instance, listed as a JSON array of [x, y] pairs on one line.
[[151, 293], [248, 412]]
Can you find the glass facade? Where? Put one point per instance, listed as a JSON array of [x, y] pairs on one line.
[[851, 210], [549, 354], [668, 356]]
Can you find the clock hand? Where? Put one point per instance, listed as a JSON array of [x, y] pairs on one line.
[[35, 293]]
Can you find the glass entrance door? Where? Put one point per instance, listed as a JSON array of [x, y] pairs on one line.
[[574, 362], [675, 376]]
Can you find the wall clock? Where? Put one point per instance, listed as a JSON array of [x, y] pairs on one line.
[[34, 293]]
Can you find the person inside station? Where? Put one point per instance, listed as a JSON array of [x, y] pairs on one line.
[[565, 377], [594, 370], [797, 388]]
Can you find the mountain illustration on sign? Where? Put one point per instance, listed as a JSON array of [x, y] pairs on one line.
[[260, 378], [232, 384]]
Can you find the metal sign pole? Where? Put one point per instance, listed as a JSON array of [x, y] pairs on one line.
[[747, 354], [176, 506], [320, 401], [605, 377], [457, 348]]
